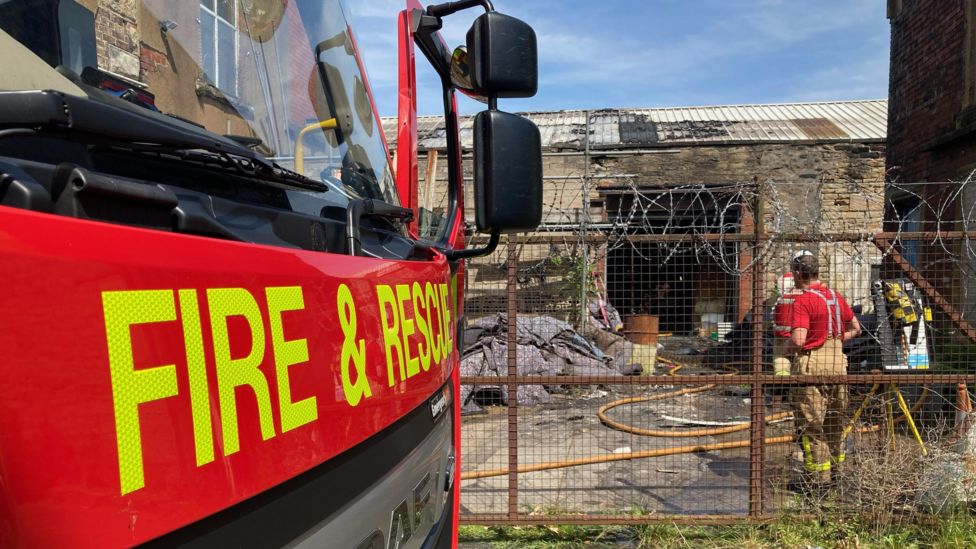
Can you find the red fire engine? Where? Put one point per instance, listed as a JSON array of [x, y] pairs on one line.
[[221, 324]]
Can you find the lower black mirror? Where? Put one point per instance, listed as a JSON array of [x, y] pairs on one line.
[[507, 173]]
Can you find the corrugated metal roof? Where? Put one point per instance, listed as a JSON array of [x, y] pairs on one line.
[[830, 122]]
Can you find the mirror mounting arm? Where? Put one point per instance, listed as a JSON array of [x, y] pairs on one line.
[[422, 21], [365, 207], [447, 8], [455, 255]]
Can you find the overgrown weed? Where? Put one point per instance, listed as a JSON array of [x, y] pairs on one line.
[[950, 531]]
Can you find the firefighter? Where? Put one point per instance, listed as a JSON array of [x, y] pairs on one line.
[[782, 325], [822, 321]]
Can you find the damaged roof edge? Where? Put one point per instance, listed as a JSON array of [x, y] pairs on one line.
[[609, 129]]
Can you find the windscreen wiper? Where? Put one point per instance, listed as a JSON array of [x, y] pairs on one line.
[[126, 126], [263, 170]]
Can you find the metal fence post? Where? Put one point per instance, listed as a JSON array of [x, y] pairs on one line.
[[511, 382], [758, 409], [584, 220]]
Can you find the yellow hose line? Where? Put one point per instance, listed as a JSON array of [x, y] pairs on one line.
[[674, 366], [690, 449]]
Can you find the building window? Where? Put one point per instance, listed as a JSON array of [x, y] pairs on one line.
[[909, 215], [218, 43]]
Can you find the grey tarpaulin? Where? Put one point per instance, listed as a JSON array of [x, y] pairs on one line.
[[546, 347]]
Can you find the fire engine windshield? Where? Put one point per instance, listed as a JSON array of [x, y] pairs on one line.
[[281, 77]]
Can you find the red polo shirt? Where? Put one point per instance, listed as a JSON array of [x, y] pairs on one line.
[[811, 311]]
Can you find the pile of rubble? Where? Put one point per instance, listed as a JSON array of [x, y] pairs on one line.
[[546, 347]]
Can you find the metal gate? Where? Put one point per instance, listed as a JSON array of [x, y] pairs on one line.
[[672, 412]]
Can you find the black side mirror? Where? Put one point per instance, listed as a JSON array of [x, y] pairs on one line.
[[503, 56], [507, 173]]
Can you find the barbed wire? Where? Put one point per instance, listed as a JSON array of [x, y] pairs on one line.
[[842, 220]]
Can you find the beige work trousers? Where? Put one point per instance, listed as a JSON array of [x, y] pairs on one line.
[[820, 410]]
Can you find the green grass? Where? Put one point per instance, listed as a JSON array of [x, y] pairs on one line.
[[949, 532]]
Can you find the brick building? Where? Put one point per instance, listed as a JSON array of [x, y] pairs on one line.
[[202, 60], [692, 171], [932, 90], [132, 42], [932, 134]]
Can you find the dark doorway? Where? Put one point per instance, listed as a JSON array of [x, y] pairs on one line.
[[648, 272]]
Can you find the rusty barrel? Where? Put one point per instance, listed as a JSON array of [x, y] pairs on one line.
[[642, 329]]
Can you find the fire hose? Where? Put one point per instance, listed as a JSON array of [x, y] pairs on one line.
[[692, 448]]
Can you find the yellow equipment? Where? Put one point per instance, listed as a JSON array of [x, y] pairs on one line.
[[900, 304], [329, 124]]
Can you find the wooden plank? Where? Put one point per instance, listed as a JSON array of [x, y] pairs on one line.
[[430, 179]]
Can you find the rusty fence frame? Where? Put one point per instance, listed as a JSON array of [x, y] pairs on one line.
[[757, 379]]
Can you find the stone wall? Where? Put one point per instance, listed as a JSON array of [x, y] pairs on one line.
[[825, 187], [814, 188], [743, 163]]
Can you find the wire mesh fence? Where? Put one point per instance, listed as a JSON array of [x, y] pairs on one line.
[[629, 363]]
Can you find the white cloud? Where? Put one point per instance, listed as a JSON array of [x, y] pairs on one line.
[[753, 31], [851, 78], [585, 57]]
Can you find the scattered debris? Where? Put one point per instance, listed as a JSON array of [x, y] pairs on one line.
[[605, 315], [546, 347], [614, 345], [949, 481], [965, 422]]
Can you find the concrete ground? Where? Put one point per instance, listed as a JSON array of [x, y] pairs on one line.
[[568, 428]]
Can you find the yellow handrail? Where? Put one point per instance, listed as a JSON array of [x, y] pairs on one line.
[[329, 124]]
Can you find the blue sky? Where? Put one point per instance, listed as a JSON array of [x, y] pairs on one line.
[[658, 53]]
